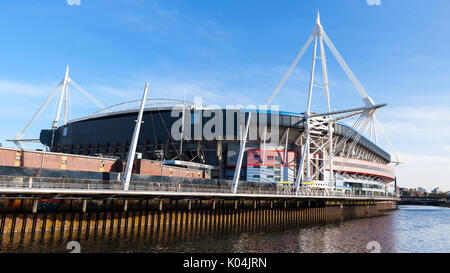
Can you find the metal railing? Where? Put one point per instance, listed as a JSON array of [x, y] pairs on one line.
[[88, 184]]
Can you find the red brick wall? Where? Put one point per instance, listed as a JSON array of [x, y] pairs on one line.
[[148, 167], [113, 166], [7, 157], [56, 161], [73, 162], [51, 161], [168, 171], [181, 172], [32, 160]]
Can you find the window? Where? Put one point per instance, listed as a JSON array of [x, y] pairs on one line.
[[278, 159], [270, 157], [256, 176], [270, 177], [256, 167]]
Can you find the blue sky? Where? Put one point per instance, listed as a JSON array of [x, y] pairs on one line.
[[236, 51]]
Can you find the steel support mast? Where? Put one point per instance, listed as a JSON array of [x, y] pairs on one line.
[[327, 92], [315, 125], [63, 96], [318, 125], [133, 145]]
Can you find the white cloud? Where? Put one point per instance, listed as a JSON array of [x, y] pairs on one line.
[[417, 123], [166, 20], [212, 31], [211, 91], [373, 2], [18, 88], [115, 92], [423, 171], [422, 136]]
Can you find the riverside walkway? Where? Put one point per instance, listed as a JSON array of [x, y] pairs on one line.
[[26, 188]]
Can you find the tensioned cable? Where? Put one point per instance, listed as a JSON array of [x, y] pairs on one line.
[[355, 141], [153, 125], [284, 78], [69, 104], [365, 97], [49, 98], [358, 123], [385, 136], [291, 68], [86, 94], [168, 134]]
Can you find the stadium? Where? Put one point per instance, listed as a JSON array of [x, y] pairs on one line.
[[311, 150], [361, 168]]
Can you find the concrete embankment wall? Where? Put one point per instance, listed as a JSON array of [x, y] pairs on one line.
[[177, 216]]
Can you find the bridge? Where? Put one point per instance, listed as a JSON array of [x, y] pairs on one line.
[[422, 201]]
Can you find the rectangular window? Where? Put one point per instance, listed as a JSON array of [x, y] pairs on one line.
[[256, 176], [270, 157], [270, 177]]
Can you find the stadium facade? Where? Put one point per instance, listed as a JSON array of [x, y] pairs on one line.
[[182, 134]]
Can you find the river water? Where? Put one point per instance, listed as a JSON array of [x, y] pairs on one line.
[[408, 229]]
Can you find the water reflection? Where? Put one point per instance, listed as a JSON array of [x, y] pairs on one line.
[[409, 229], [423, 229]]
